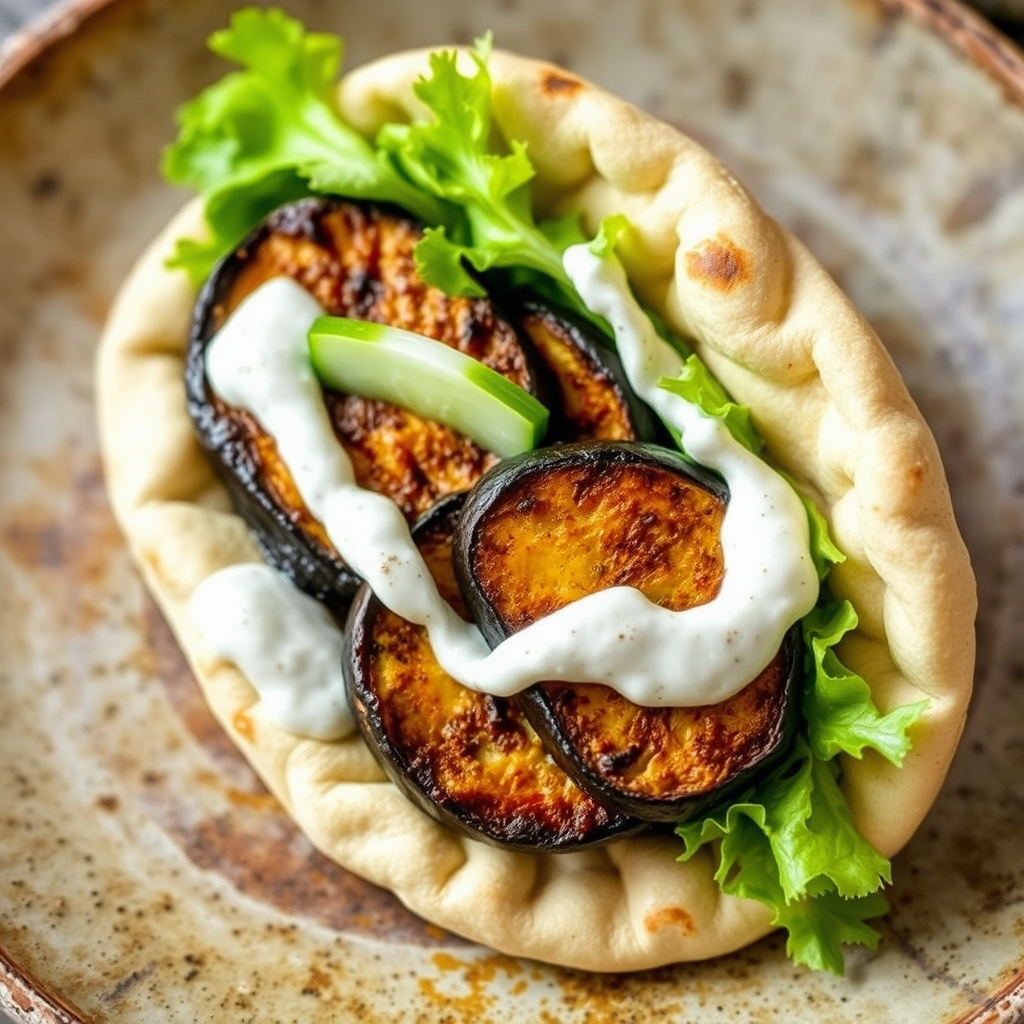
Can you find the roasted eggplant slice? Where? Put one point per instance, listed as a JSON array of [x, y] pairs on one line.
[[556, 524], [591, 397], [470, 760], [356, 260]]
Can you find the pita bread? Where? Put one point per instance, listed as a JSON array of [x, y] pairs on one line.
[[826, 397]]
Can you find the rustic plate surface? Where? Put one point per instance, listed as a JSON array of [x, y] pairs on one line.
[[145, 875]]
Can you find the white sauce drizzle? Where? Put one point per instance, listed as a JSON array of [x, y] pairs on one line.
[[653, 656], [284, 642]]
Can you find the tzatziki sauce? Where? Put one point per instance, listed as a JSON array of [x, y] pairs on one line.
[[259, 362], [285, 643]]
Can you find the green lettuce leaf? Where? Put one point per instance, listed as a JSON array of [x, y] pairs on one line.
[[792, 845], [452, 156], [696, 385], [269, 134], [791, 842], [818, 928], [818, 925], [814, 844], [838, 707], [824, 551], [608, 234]]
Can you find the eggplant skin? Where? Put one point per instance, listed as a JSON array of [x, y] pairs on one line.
[[549, 527], [469, 760], [671, 764], [356, 260], [592, 399]]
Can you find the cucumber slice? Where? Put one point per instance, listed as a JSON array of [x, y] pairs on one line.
[[429, 378]]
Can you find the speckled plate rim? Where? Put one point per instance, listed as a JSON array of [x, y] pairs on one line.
[[47, 29], [23, 993], [966, 31]]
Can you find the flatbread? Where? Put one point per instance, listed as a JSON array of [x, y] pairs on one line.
[[826, 397]]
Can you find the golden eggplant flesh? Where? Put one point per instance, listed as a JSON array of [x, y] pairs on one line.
[[588, 390], [470, 760], [357, 261], [544, 529]]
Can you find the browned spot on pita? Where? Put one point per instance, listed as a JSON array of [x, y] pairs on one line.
[[555, 83], [243, 725], [718, 262], [670, 917]]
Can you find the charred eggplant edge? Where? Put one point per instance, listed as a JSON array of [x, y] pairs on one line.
[[539, 711], [365, 705], [509, 472], [646, 425], [535, 703], [320, 573]]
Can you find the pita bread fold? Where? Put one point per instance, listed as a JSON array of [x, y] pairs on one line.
[[781, 337]]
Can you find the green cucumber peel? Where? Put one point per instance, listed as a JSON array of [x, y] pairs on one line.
[[429, 378]]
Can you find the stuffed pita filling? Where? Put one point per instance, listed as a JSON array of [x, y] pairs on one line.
[[541, 522]]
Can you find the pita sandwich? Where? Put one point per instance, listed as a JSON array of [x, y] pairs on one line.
[[832, 410]]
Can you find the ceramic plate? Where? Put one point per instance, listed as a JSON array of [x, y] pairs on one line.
[[145, 875]]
